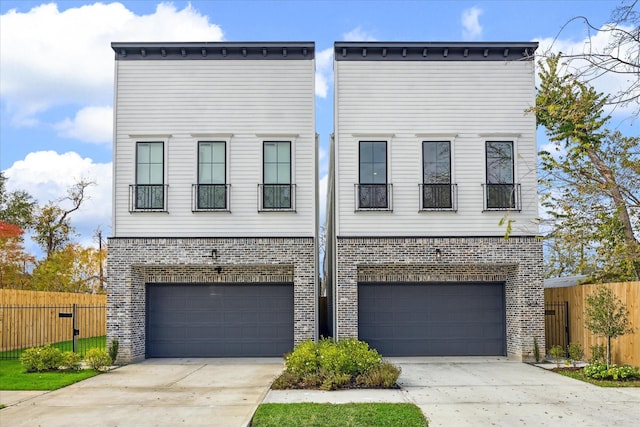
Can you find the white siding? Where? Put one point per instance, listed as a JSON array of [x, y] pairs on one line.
[[406, 102], [244, 102]]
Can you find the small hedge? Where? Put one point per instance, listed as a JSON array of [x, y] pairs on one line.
[[599, 371], [47, 358], [331, 365]]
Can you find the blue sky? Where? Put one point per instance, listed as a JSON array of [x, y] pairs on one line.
[[56, 66]]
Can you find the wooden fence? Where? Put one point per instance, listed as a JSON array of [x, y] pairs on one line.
[[625, 349], [31, 318]]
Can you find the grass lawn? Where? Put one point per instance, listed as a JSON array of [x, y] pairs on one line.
[[334, 415], [578, 375], [13, 377]]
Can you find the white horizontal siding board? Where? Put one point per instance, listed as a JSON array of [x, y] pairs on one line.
[[410, 99], [241, 100]]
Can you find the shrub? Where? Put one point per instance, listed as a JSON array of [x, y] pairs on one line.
[[303, 359], [557, 353], [114, 346], [599, 371], [536, 349], [97, 359], [38, 359], [385, 375], [598, 353], [576, 353], [328, 365], [71, 360]]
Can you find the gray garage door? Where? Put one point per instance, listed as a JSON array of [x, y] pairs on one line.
[[219, 320], [424, 319]]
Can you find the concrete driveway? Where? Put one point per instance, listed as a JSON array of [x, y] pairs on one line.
[[156, 392], [480, 391]]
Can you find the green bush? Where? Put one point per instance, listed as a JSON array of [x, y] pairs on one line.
[[38, 359], [557, 353], [97, 359], [114, 346], [303, 359], [536, 350], [576, 353], [328, 365], [599, 371], [71, 360]]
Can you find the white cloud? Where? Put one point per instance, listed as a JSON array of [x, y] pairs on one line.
[[358, 35], [324, 71], [47, 175], [471, 28], [608, 83], [91, 124], [50, 58]]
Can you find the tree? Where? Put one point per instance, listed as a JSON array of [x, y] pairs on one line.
[[605, 315], [589, 182], [621, 55], [70, 269], [13, 259], [52, 225], [16, 207]]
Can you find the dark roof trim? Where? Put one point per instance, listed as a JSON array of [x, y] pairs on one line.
[[134, 51], [434, 51]]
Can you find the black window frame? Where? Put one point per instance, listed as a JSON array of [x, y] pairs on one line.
[[149, 196], [500, 195], [276, 196], [373, 195], [437, 195], [208, 191]]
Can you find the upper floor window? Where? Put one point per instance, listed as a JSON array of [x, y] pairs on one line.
[[501, 191], [437, 188], [149, 191], [211, 191], [373, 190], [277, 191]]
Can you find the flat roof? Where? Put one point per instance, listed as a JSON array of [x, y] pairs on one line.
[[132, 51], [434, 51]]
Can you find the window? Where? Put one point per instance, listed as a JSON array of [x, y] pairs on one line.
[[149, 191], [437, 189], [373, 190], [500, 187], [211, 193], [277, 189]]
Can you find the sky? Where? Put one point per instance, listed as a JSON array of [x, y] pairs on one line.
[[57, 68]]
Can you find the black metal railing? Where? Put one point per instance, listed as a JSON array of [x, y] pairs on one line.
[[74, 328], [148, 198], [373, 197], [438, 197], [556, 325], [210, 197], [276, 197], [501, 197]]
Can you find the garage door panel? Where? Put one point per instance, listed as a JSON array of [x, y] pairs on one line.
[[407, 319], [222, 320]]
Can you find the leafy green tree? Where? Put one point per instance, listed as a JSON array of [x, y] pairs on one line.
[[605, 315], [588, 181], [16, 207], [70, 269]]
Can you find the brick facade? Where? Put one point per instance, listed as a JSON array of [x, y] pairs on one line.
[[516, 261], [134, 262]]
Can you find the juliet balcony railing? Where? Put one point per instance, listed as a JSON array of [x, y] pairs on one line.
[[373, 197], [148, 198], [438, 197], [502, 197], [276, 197], [210, 197]]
